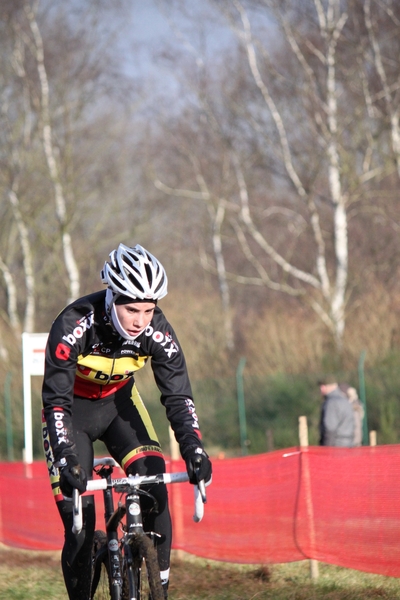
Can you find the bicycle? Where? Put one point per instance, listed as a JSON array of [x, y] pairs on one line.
[[126, 567]]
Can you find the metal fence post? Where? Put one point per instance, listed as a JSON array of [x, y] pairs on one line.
[[241, 406]]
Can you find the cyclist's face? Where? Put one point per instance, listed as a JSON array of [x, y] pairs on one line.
[[135, 317]]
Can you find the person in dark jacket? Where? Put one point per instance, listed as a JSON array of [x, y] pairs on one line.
[[95, 346], [337, 415]]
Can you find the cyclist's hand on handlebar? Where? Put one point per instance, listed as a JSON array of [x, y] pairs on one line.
[[198, 464], [72, 475]]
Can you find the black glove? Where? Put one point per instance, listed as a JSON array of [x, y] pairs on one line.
[[198, 465], [72, 475]]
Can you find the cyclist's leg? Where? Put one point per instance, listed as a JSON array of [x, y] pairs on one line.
[[133, 442], [160, 521], [77, 549], [76, 553]]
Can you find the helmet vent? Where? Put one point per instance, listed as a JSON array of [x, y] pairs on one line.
[[149, 274]]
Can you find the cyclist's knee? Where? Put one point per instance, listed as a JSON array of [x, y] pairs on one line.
[[147, 465], [151, 465]]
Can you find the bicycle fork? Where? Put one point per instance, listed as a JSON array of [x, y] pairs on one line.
[[134, 527], [112, 519]]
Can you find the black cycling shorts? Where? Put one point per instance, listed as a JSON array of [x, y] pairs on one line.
[[120, 421]]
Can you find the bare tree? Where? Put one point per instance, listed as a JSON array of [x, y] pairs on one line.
[[29, 320], [12, 167], [36, 48], [57, 148], [330, 305], [216, 208], [12, 310], [298, 124], [386, 68]]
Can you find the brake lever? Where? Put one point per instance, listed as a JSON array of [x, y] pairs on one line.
[[75, 497], [77, 512], [200, 483], [202, 489]]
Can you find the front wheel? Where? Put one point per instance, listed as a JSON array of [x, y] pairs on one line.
[[144, 571]]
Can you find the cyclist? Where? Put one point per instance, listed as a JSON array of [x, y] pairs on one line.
[[95, 345]]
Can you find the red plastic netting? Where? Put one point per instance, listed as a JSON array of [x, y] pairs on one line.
[[336, 505]]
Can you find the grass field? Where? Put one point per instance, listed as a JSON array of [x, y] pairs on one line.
[[37, 576]]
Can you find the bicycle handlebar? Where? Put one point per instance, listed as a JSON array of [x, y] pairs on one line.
[[124, 483]]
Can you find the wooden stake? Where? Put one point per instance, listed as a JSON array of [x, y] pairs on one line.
[[303, 437]]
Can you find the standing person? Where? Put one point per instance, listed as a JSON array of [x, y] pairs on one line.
[[95, 345], [358, 409], [359, 412], [337, 415]]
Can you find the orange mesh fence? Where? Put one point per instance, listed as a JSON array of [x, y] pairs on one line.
[[336, 505]]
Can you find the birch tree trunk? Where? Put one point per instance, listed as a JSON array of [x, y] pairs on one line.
[[12, 310], [217, 214], [50, 153], [29, 320]]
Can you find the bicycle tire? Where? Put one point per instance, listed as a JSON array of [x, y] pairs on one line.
[[144, 574], [101, 587]]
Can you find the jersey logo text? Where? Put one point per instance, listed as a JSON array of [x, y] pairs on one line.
[[84, 324]]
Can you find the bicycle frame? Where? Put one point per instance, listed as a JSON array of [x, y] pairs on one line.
[[131, 488], [111, 522]]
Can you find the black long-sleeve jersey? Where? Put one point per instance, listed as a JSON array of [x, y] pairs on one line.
[[85, 357]]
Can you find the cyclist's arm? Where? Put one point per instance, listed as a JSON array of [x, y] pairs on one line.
[[171, 376], [58, 383]]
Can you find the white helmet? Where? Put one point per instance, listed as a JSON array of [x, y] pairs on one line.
[[135, 273]]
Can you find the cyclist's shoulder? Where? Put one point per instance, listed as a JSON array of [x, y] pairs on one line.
[[83, 312], [90, 300], [77, 324], [159, 338], [158, 316], [84, 305], [159, 322]]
